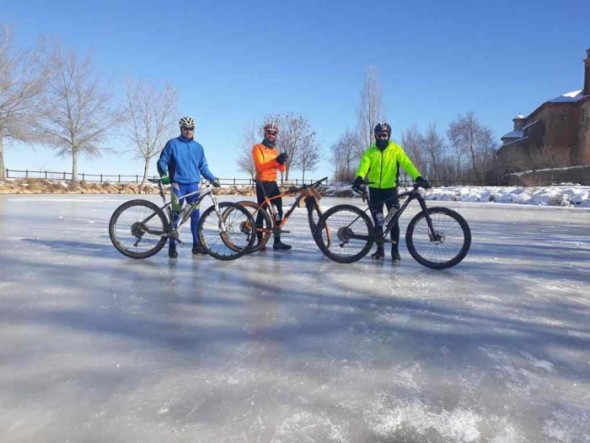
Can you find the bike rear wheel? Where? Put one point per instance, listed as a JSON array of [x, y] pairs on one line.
[[314, 213], [234, 238], [264, 231], [351, 231], [443, 248], [138, 229]]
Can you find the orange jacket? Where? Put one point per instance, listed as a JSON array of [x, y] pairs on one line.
[[265, 163]]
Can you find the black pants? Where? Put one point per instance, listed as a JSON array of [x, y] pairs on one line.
[[270, 189], [377, 197]]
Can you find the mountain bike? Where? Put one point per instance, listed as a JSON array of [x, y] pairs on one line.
[[270, 224], [436, 237], [140, 229]]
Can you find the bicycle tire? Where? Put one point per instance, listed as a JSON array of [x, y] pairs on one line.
[[314, 213], [344, 221], [127, 231], [451, 245], [235, 241], [267, 224]]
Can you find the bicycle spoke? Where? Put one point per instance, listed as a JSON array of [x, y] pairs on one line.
[[230, 239], [350, 232], [447, 245], [132, 235]]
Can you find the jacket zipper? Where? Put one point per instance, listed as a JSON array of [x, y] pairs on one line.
[[381, 171]]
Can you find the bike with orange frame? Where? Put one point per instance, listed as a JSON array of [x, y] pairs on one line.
[[270, 225]]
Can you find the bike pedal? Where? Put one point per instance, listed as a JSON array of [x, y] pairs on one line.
[[285, 232]]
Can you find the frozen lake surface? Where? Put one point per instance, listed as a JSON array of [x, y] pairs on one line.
[[290, 346]]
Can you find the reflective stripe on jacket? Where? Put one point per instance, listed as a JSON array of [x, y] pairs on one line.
[[265, 163], [380, 167]]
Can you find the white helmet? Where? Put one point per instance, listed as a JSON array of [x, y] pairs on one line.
[[188, 122]]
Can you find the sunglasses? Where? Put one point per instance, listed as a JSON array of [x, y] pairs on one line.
[[382, 135], [184, 128], [270, 133]]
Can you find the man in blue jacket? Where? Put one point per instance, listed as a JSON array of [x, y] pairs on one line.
[[181, 163]]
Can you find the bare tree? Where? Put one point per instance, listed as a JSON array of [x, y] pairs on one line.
[[251, 135], [370, 110], [77, 112], [345, 155], [434, 146], [459, 149], [469, 138], [413, 144], [294, 133], [309, 154], [22, 77], [151, 119]]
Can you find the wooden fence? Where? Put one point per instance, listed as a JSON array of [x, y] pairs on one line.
[[121, 178]]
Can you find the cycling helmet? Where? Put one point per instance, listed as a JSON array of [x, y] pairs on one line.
[[383, 127], [187, 122], [271, 127]]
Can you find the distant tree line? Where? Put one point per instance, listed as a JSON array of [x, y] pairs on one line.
[[55, 97], [52, 96], [465, 153]]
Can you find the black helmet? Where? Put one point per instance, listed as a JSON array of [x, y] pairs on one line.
[[383, 127]]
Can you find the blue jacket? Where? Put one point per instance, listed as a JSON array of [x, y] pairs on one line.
[[184, 160]]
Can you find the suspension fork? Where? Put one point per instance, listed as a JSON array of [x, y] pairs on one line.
[[426, 215], [217, 211], [167, 206]]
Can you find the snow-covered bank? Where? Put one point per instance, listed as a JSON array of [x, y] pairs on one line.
[[566, 194], [560, 195]]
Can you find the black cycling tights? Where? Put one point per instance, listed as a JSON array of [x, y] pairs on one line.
[[388, 196], [271, 189]]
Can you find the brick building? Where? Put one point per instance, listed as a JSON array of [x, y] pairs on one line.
[[556, 134]]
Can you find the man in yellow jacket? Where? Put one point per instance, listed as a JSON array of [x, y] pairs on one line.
[[379, 165]]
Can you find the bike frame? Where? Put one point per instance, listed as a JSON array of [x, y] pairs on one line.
[[394, 213], [167, 207], [304, 191]]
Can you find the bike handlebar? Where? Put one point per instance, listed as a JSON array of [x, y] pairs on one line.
[[158, 181]]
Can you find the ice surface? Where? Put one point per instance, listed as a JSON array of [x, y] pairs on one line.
[[290, 346]]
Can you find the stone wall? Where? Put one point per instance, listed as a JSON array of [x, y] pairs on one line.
[[580, 175], [42, 186]]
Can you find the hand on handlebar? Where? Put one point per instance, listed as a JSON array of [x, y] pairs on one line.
[[422, 182], [357, 184]]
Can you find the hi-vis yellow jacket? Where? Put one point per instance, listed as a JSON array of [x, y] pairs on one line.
[[380, 167]]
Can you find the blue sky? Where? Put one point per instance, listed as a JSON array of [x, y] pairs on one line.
[[236, 61]]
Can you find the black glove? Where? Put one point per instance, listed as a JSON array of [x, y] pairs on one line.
[[282, 158], [216, 183], [422, 182], [356, 185]]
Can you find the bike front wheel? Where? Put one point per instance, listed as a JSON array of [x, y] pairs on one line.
[[444, 246], [264, 231], [227, 234], [138, 229], [351, 231]]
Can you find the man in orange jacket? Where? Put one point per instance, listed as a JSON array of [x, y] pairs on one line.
[[267, 160]]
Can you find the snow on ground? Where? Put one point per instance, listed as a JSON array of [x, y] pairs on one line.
[[290, 346], [559, 195]]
